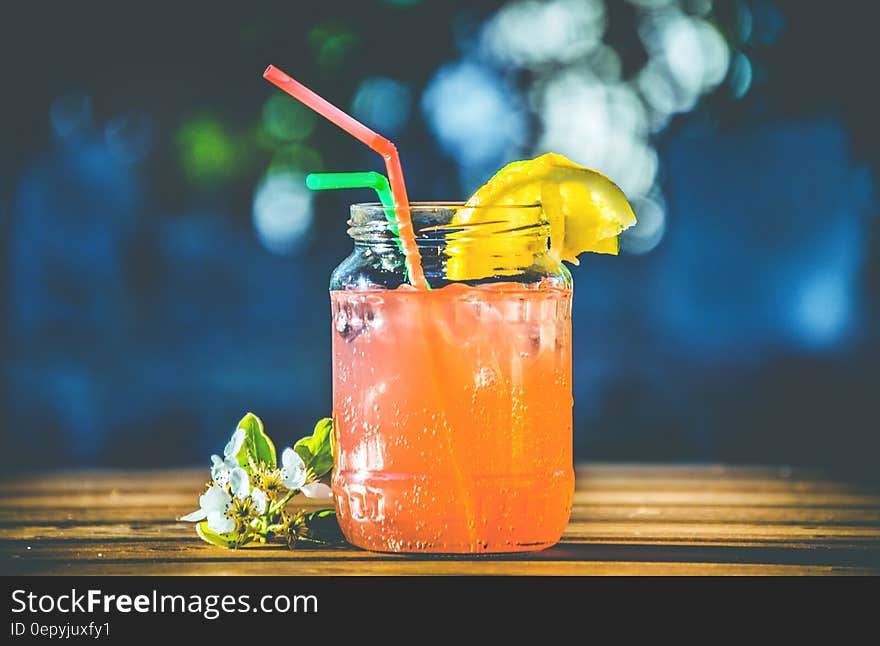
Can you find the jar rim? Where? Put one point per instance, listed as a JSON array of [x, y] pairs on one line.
[[424, 206], [374, 213]]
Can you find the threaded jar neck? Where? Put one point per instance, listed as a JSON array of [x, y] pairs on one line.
[[436, 225]]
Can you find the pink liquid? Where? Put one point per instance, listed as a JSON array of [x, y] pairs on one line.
[[452, 413]]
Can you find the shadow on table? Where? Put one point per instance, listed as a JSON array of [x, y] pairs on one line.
[[844, 554]]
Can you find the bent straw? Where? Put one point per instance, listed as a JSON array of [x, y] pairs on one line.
[[378, 143], [371, 179]]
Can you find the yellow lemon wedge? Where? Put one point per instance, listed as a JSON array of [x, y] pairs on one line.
[[585, 209]]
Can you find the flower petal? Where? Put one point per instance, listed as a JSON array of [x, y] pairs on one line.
[[293, 469], [260, 500], [240, 483], [220, 470], [234, 444], [290, 459], [215, 499], [220, 522], [194, 517], [317, 490]]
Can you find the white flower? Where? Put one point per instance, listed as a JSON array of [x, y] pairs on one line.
[[233, 446], [213, 505], [240, 483], [317, 490], [293, 471], [260, 500], [215, 502], [222, 469]]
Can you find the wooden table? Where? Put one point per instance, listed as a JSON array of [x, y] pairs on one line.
[[627, 519]]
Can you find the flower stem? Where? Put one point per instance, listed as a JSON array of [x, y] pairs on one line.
[[278, 505]]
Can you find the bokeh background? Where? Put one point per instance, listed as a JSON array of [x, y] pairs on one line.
[[165, 269]]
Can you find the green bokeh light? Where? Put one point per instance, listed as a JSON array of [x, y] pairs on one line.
[[331, 43], [287, 120], [299, 158], [207, 151]]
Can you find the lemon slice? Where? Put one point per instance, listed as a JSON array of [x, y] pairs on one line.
[[585, 209]]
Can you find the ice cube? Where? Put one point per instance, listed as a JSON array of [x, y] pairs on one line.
[[371, 310], [525, 340], [461, 321], [347, 320], [357, 313]]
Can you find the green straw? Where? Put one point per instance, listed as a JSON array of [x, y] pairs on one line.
[[371, 179]]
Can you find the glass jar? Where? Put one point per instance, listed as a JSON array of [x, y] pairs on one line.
[[452, 405]]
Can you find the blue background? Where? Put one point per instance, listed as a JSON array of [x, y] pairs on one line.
[[165, 270]]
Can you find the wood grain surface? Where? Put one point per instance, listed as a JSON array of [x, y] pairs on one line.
[[627, 520]]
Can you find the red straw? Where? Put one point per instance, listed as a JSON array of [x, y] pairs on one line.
[[378, 143]]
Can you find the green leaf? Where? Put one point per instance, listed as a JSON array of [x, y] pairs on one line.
[[324, 527], [210, 536], [257, 446], [316, 450], [332, 439]]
